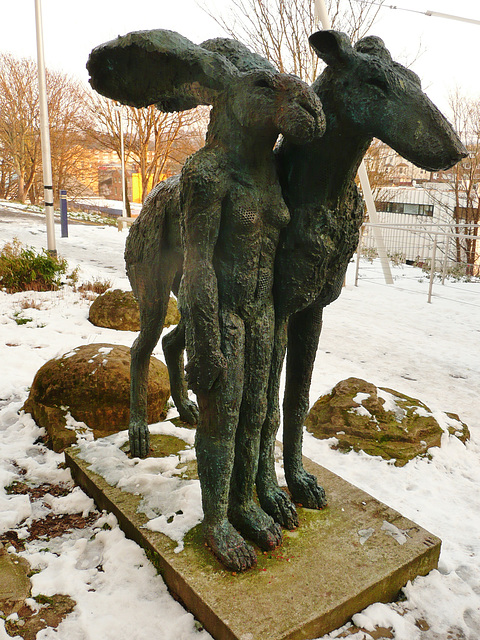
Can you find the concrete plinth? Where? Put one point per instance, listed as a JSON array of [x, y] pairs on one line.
[[355, 552]]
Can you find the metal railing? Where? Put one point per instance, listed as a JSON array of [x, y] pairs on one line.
[[433, 245]]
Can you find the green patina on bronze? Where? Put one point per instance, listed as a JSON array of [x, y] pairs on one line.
[[263, 242]]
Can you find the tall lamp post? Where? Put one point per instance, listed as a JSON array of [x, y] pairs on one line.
[[123, 222], [45, 133]]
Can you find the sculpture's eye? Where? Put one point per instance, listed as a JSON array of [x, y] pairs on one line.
[[379, 83], [263, 84]]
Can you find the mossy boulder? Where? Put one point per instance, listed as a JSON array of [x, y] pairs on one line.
[[91, 384], [118, 309], [378, 421]]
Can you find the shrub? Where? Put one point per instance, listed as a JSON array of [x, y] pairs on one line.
[[23, 269], [94, 287], [396, 258], [369, 253]]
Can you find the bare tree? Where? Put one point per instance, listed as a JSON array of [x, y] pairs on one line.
[[19, 126], [464, 179], [279, 29], [152, 139], [20, 161], [69, 116]]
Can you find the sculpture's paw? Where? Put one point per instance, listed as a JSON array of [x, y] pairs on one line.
[[305, 491], [256, 525], [188, 411], [229, 547], [277, 503], [139, 438]]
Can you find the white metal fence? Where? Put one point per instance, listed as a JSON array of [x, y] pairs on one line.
[[439, 249]]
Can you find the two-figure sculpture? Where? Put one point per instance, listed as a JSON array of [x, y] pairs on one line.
[[258, 268]]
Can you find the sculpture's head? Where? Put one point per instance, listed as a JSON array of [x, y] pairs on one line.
[[374, 96], [163, 68]]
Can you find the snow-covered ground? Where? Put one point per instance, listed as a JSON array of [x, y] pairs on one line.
[[388, 335]]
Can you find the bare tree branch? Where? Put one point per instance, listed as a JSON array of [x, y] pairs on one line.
[[279, 29]]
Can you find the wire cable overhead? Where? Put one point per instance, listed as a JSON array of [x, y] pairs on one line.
[[429, 13]]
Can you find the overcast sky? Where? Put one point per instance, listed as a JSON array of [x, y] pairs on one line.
[[72, 28]]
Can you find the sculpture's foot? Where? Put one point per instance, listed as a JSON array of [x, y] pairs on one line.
[[256, 525], [229, 546], [139, 438], [305, 490], [188, 411], [277, 503]]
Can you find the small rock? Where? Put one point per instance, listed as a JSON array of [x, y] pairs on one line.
[[92, 383], [119, 310]]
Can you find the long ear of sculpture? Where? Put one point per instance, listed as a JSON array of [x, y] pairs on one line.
[[333, 47], [373, 45], [159, 67], [238, 54]]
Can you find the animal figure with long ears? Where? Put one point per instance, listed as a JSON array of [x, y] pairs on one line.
[[364, 94], [232, 212]]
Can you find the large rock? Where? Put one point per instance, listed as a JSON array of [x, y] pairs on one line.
[[119, 310], [380, 422], [92, 384]]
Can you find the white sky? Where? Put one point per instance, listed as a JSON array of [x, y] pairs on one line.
[[72, 29]]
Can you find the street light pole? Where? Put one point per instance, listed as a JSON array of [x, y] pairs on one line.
[[123, 222], [45, 132]]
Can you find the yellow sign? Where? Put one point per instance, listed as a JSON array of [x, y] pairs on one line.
[[137, 186]]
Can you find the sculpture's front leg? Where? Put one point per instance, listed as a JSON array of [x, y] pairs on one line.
[[304, 330], [273, 499]]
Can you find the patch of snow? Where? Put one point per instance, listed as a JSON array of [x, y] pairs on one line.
[[391, 405], [172, 504], [360, 397], [365, 534], [105, 350], [422, 412], [75, 502], [397, 534], [360, 411]]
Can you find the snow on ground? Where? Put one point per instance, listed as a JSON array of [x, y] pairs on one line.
[[388, 335]]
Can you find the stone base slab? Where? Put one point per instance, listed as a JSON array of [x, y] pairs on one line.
[[355, 552]]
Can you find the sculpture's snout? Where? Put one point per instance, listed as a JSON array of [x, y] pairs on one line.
[[312, 105], [457, 153], [302, 120]]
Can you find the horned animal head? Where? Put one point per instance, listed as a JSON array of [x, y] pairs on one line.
[[372, 95], [163, 68]]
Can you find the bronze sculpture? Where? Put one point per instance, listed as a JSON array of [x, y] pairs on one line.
[[232, 212], [365, 94]]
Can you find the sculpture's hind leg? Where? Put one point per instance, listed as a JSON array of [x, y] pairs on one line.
[[273, 499], [140, 352], [173, 345], [304, 330], [152, 291]]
